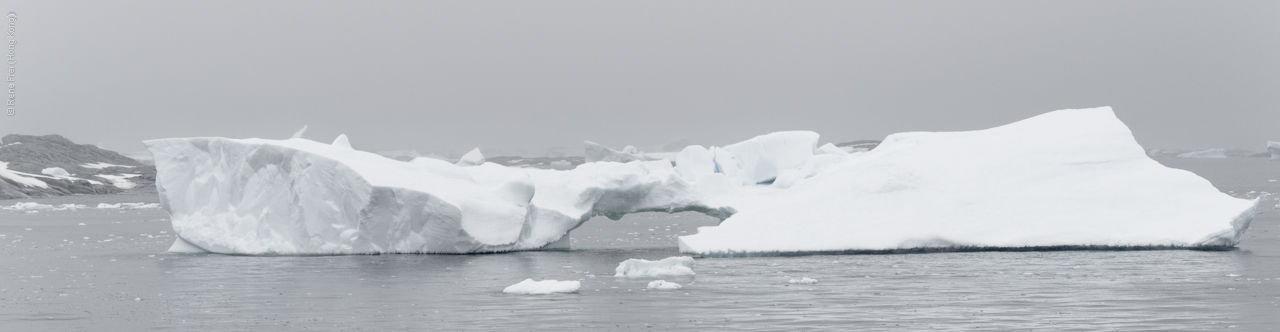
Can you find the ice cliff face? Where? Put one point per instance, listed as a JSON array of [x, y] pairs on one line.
[[1073, 177]]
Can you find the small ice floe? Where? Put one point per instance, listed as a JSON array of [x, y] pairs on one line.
[[663, 285], [803, 281], [1233, 275], [528, 286], [667, 267]]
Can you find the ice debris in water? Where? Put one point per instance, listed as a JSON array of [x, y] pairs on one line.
[[667, 267], [804, 280], [528, 286], [129, 206], [34, 207], [664, 285]]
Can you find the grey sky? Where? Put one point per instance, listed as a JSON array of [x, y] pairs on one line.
[[536, 74]]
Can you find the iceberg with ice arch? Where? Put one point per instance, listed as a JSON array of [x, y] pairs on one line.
[[1064, 178], [1067, 178]]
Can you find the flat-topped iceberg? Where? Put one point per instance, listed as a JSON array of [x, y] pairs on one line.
[[1065, 178]]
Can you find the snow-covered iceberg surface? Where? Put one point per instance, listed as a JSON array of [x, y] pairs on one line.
[[1210, 153], [1274, 148], [1065, 178]]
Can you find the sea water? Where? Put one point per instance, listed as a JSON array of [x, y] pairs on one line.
[[107, 270]]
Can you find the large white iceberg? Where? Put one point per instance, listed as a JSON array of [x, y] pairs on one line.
[[1065, 178]]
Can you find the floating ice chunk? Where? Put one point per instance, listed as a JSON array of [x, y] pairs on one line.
[[667, 267], [299, 133], [1210, 153], [528, 286], [664, 285], [56, 172], [803, 281], [129, 206], [472, 158], [27, 206], [342, 142], [1274, 148]]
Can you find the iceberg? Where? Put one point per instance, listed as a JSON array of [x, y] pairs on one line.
[[1210, 153], [667, 267], [1067, 178], [1274, 148], [1064, 179], [530, 287]]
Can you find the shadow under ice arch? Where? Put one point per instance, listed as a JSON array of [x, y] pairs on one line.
[[1064, 178]]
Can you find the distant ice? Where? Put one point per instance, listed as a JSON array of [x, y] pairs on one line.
[[129, 206], [32, 206], [804, 281], [1274, 148], [102, 165], [663, 285], [530, 287], [667, 267], [120, 180], [1210, 153]]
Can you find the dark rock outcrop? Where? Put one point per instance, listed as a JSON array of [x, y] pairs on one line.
[[33, 154]]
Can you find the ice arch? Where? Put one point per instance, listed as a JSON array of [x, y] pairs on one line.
[[1072, 177]]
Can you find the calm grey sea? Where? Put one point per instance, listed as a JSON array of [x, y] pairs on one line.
[[112, 274]]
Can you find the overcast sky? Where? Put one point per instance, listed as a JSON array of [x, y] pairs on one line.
[[531, 75]]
